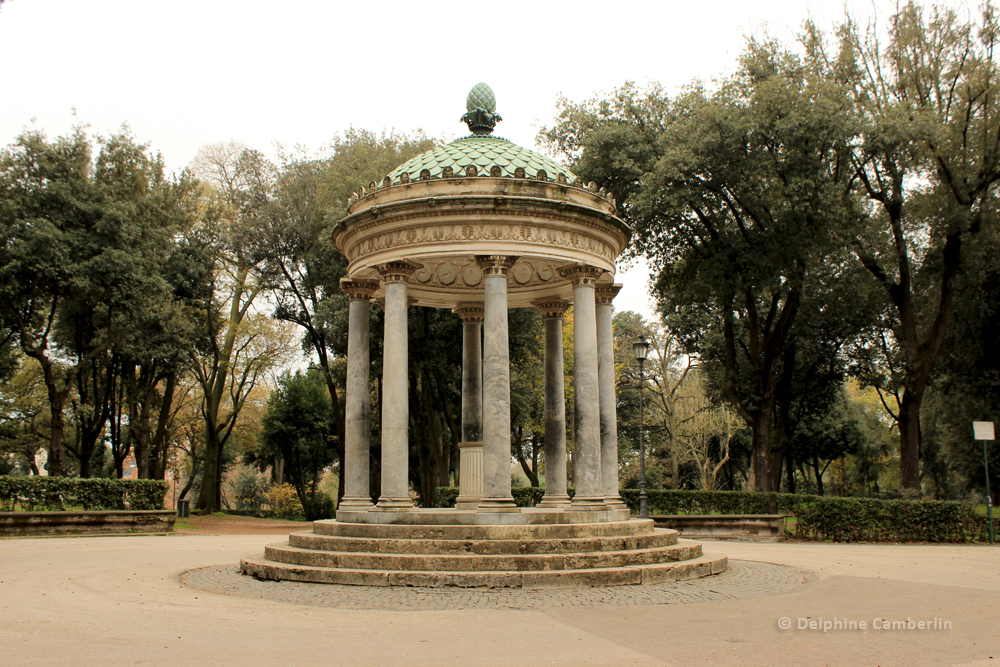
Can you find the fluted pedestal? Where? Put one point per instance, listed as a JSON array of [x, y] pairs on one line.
[[470, 479]]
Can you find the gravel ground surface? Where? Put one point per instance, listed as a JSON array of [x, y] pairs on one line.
[[743, 580]]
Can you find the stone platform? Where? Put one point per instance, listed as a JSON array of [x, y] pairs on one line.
[[546, 549]]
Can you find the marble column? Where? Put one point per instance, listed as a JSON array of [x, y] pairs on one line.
[[472, 371], [470, 465], [496, 387], [395, 493], [357, 399], [587, 455], [604, 295], [555, 404]]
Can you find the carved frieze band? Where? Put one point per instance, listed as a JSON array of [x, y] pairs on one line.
[[581, 274], [607, 293], [473, 233], [551, 308], [495, 265], [397, 272], [359, 289], [470, 312]]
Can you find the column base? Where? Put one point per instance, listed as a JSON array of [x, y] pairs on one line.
[[594, 504], [498, 505], [467, 502], [615, 502], [359, 504], [552, 500], [394, 505]]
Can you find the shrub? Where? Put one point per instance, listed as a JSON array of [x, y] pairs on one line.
[[53, 494], [870, 520], [524, 496], [284, 502], [249, 489], [320, 506], [817, 517]]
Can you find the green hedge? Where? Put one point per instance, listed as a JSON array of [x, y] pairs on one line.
[[53, 494], [870, 520], [669, 501], [524, 496], [816, 517]]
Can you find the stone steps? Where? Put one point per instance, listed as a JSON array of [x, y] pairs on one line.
[[545, 531], [544, 554], [340, 543], [290, 555], [701, 566]]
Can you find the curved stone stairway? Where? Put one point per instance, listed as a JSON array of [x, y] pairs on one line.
[[568, 555]]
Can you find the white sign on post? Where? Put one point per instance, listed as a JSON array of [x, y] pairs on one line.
[[983, 430]]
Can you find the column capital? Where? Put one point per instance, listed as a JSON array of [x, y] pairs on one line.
[[551, 308], [581, 274], [606, 293], [397, 272], [359, 290], [496, 265], [470, 312]]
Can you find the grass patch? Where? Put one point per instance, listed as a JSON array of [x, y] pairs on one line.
[[184, 525]]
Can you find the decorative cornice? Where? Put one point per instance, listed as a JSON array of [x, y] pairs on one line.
[[397, 272], [551, 308], [470, 312], [607, 293], [581, 274], [496, 265], [359, 290]]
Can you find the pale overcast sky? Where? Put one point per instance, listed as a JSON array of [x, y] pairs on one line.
[[189, 72]]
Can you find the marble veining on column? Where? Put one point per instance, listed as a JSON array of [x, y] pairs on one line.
[[357, 399], [604, 295]]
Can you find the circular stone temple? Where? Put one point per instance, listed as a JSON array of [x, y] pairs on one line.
[[478, 226]]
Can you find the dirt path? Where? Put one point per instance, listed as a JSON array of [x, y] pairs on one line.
[[237, 525]]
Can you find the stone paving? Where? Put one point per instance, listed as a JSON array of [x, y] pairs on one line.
[[743, 580]]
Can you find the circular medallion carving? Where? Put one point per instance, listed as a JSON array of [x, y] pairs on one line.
[[472, 275], [522, 273], [546, 272], [422, 275], [447, 274]]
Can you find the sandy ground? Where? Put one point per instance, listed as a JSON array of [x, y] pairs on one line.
[[237, 525], [119, 601]]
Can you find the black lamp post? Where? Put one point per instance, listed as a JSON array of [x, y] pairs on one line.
[[641, 349]]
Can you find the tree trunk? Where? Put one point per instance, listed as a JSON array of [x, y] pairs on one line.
[[763, 471], [531, 474], [57, 402], [909, 444], [158, 446], [819, 476], [209, 498]]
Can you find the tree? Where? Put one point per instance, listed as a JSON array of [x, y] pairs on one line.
[[82, 241], [231, 355], [527, 390], [736, 194], [309, 195], [24, 422], [927, 157], [297, 424]]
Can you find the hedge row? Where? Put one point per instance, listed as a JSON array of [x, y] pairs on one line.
[[870, 520], [817, 517], [524, 496], [54, 494]]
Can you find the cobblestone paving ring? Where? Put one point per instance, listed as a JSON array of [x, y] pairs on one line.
[[743, 580]]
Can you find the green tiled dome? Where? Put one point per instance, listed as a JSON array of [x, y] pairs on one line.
[[484, 152]]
